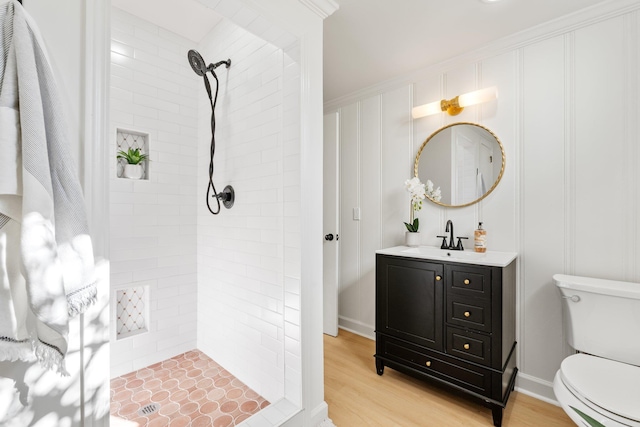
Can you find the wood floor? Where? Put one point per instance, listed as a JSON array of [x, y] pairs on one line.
[[358, 397]]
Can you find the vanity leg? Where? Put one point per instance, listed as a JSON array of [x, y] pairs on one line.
[[497, 415], [379, 366]]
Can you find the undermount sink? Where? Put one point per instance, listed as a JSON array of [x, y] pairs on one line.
[[493, 258]]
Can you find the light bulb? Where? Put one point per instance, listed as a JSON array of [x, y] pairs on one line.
[[426, 110], [478, 96]]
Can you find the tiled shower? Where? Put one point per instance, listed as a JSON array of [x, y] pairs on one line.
[[183, 280]]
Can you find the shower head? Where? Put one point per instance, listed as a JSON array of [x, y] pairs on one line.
[[196, 62]]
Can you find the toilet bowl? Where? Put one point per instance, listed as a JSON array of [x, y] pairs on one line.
[[603, 389], [602, 319]]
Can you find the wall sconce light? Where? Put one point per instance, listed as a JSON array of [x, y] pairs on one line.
[[454, 106]]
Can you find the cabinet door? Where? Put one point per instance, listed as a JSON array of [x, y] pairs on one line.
[[409, 300]]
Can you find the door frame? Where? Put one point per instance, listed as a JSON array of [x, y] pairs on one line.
[[331, 222]]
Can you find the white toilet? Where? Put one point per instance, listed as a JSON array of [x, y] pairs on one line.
[[602, 322]]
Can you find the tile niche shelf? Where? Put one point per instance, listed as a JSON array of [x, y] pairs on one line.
[[132, 311], [126, 139]]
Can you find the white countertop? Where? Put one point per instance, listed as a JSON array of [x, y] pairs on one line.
[[491, 258]]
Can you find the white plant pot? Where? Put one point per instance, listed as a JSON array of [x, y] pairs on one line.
[[412, 239], [132, 171]]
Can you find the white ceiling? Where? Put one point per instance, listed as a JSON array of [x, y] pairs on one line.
[[189, 18], [370, 41]]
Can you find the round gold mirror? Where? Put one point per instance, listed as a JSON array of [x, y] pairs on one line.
[[465, 160]]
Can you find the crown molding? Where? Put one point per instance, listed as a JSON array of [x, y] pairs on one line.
[[582, 18], [322, 8]]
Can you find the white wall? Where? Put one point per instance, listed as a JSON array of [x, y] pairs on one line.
[[153, 222], [567, 115], [248, 267]]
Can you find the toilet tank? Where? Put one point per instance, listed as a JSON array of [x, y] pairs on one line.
[[602, 317]]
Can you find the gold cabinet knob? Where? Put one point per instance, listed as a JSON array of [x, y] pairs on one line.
[[466, 281], [428, 363], [466, 346], [438, 278], [467, 314]]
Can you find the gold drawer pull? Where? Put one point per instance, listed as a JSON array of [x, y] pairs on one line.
[[438, 278], [466, 346], [467, 314], [428, 363], [466, 281]]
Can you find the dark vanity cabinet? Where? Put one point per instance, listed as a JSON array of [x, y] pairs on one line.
[[449, 322]]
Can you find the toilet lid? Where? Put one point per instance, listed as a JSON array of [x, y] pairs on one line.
[[611, 385]]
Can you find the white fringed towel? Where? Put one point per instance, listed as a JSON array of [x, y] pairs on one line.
[[46, 256]]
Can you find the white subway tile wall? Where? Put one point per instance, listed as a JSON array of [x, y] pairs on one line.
[[245, 257], [292, 223], [235, 277], [153, 222]]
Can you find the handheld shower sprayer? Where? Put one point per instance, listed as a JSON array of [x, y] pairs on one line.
[[197, 63], [227, 196]]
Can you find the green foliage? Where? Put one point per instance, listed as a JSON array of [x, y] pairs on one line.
[[590, 421], [413, 227], [133, 156]]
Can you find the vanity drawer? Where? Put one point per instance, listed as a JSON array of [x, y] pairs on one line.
[[468, 345], [470, 377], [469, 313], [470, 281]]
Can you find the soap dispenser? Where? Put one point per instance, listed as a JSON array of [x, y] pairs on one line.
[[480, 239]]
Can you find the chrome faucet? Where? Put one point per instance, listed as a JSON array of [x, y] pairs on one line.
[[451, 246]]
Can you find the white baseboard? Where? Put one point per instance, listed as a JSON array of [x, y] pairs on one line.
[[317, 417], [356, 327], [320, 415], [327, 423], [537, 388]]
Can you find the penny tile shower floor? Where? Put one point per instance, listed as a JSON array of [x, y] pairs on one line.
[[186, 390]]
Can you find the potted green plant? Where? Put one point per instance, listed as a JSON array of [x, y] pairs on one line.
[[133, 166]]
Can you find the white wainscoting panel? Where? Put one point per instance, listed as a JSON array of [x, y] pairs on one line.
[[543, 195], [348, 295], [501, 116], [397, 162], [600, 149], [370, 207]]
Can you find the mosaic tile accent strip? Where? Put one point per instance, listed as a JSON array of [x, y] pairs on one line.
[[126, 139], [130, 312], [190, 389]]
